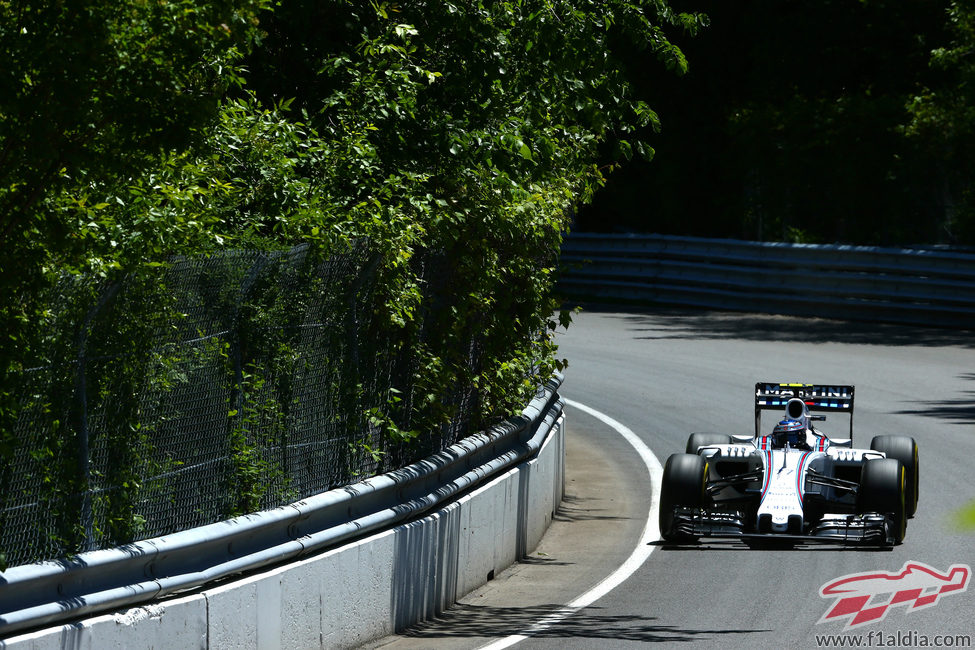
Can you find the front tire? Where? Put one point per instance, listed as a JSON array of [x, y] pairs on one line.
[[883, 490], [684, 484], [904, 449]]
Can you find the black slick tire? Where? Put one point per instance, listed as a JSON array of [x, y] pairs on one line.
[[696, 440], [904, 449], [684, 484], [883, 491]]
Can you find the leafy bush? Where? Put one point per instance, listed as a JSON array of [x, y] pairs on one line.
[[449, 141]]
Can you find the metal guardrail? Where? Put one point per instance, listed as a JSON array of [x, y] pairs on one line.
[[916, 286], [45, 593]]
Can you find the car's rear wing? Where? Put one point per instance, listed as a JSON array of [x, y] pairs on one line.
[[817, 397]]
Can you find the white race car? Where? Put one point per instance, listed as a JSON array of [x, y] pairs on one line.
[[795, 483]]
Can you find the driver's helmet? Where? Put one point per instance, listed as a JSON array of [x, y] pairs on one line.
[[789, 431]]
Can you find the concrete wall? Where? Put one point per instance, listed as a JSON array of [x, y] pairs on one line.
[[352, 594]]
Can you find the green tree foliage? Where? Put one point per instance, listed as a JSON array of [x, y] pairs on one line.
[[470, 130], [455, 138], [91, 92], [793, 125], [477, 128], [943, 120]]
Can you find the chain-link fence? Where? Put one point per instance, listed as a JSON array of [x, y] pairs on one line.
[[220, 386]]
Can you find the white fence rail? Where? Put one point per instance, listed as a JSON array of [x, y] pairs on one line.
[[917, 286]]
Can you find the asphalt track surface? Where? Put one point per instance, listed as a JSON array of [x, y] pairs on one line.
[[665, 374]]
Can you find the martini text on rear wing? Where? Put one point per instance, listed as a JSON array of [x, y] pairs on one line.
[[816, 397]]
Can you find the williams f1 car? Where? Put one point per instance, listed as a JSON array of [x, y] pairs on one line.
[[795, 483]]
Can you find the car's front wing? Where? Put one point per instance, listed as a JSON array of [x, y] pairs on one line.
[[859, 529]]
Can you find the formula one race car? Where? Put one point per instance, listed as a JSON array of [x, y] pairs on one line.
[[795, 483]]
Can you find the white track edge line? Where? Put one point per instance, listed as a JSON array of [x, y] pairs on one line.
[[646, 546]]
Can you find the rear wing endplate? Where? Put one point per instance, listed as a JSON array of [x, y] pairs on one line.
[[818, 397]]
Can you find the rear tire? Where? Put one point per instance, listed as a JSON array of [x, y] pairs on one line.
[[904, 449], [684, 484], [883, 490], [703, 439]]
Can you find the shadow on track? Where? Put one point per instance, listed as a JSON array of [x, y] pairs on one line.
[[573, 508], [689, 323], [591, 623], [960, 410]]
